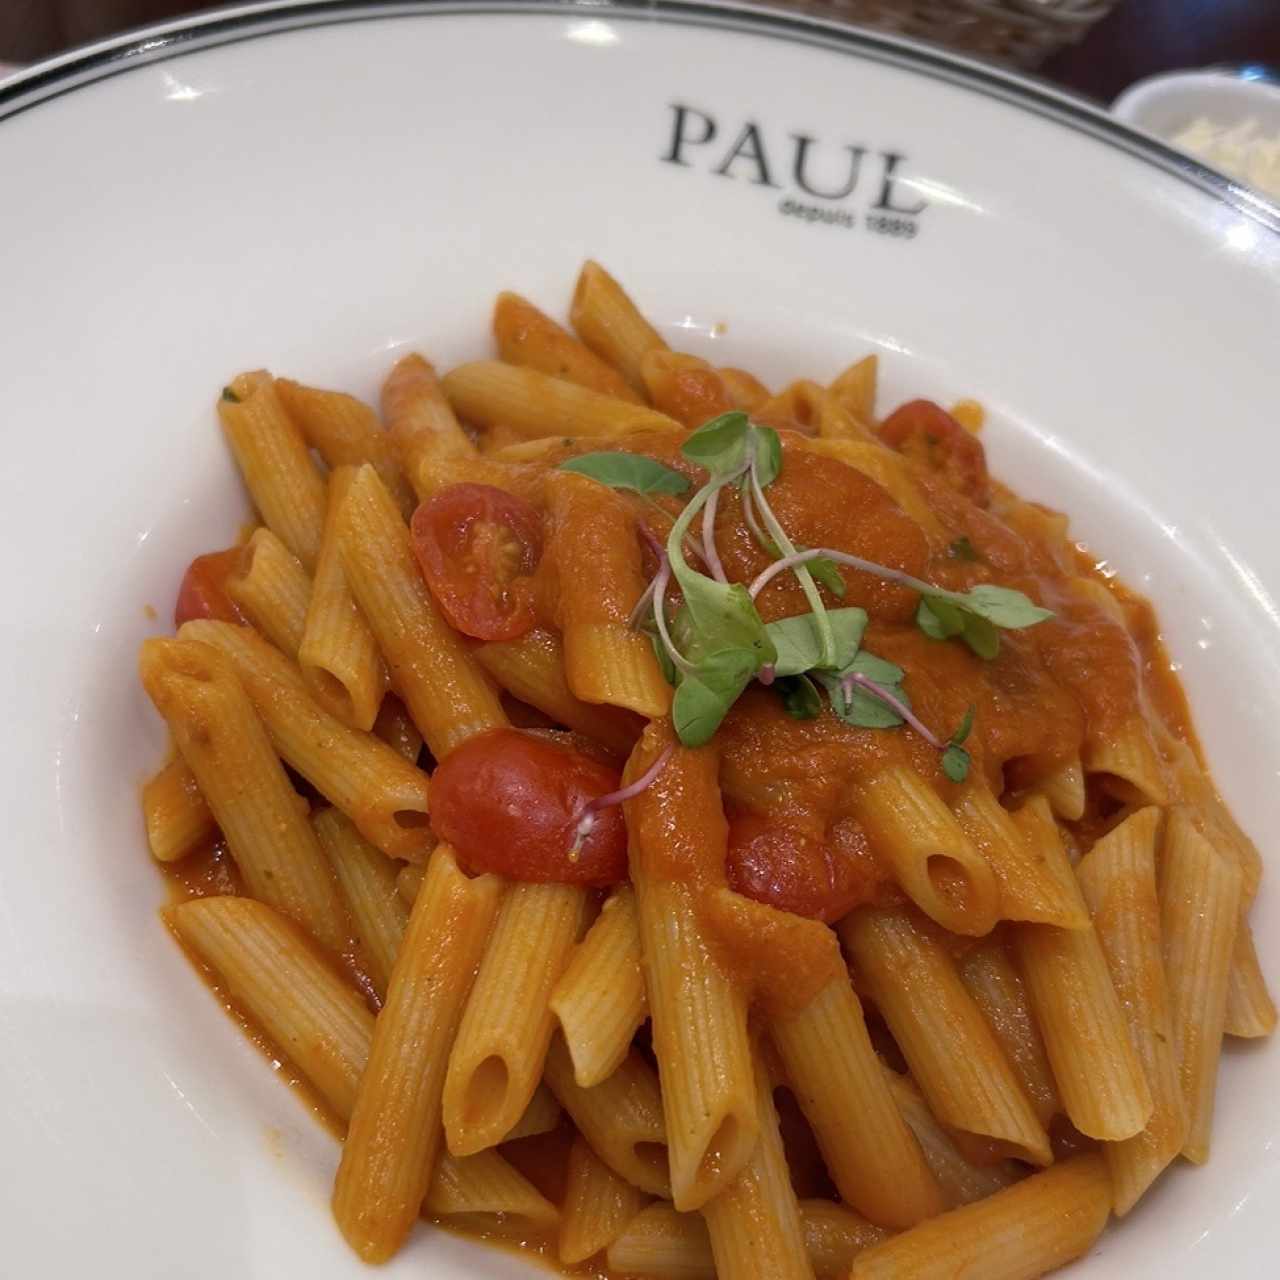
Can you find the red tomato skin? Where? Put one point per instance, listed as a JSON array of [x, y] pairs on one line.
[[790, 870], [477, 547], [925, 431], [507, 801], [203, 593]]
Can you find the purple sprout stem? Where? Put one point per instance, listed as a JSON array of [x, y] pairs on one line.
[[710, 556], [585, 818], [767, 674], [656, 593], [856, 680], [854, 562]]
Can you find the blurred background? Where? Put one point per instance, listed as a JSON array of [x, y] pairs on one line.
[[1095, 46]]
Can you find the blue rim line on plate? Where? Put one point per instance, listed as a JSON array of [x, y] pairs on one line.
[[64, 74]]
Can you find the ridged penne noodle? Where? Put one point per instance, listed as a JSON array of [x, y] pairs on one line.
[[1251, 1013], [961, 1181], [345, 432], [1199, 909], [621, 1117], [598, 1205], [527, 337], [697, 1010], [447, 693], [1032, 887], [1100, 1078], [797, 407], [367, 878], [397, 730], [745, 389], [1064, 790], [1118, 880], [409, 881], [954, 1056], [1019, 1233], [754, 1223], [532, 669], [997, 989], [497, 1058], [540, 1116], [667, 1245], [273, 591], [837, 1079], [931, 857], [338, 656], [835, 422], [176, 813], [222, 740], [606, 660], [488, 1193], [381, 792], [855, 388], [284, 483], [318, 1021], [395, 1131], [533, 404], [419, 418], [609, 323], [600, 998], [1128, 756], [685, 388]]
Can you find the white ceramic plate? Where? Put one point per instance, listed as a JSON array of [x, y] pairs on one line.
[[314, 189]]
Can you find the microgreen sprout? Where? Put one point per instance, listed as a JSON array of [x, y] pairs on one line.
[[585, 819]]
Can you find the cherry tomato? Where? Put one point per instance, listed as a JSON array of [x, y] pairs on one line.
[[477, 547], [926, 432], [792, 871], [203, 593], [508, 801]]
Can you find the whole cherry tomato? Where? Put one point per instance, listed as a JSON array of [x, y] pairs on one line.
[[477, 547], [927, 433], [509, 801], [203, 593]]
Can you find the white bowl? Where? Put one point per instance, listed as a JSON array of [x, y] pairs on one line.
[[314, 189], [1166, 104]]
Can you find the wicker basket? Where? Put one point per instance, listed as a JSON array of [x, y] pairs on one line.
[[1020, 33]]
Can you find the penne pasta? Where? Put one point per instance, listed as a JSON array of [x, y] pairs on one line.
[[855, 389], [338, 656], [1199, 907], [531, 340], [487, 1194], [282, 480], [620, 1118], [685, 388], [1128, 758], [754, 1223], [1019, 1233], [598, 1205], [223, 742], [609, 323], [409, 881], [394, 1136], [837, 1079], [1118, 880], [177, 815], [501, 1046], [367, 878], [273, 591], [532, 669], [381, 792], [600, 998], [397, 730], [542, 1115], [954, 1056], [745, 389], [345, 432], [486, 393], [420, 421], [447, 693], [1250, 1013], [931, 857], [1064, 790]]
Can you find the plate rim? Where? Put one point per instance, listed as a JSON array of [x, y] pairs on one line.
[[64, 73]]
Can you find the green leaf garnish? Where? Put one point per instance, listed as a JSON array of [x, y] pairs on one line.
[[981, 636], [800, 697], [229, 395], [965, 728], [628, 471], [799, 646], [703, 696], [720, 445], [1003, 606], [859, 708], [826, 573], [938, 619], [955, 763]]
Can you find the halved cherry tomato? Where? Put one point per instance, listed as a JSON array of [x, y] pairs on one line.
[[792, 871], [926, 432], [203, 593], [508, 801], [477, 547]]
